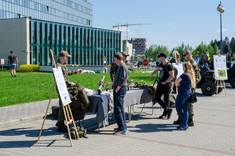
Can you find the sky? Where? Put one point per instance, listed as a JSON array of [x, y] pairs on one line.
[[171, 22]]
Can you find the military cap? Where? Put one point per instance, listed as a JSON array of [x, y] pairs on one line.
[[124, 53], [64, 53], [162, 55]]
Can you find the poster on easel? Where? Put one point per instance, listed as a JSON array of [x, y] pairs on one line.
[[179, 67], [61, 86], [220, 68]]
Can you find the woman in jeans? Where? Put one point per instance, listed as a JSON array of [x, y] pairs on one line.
[[184, 92]]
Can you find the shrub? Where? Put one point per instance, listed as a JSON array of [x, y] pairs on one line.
[[29, 68]]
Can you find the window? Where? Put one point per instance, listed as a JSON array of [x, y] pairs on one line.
[[25, 3]]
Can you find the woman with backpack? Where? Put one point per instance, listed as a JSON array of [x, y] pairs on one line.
[[184, 92]]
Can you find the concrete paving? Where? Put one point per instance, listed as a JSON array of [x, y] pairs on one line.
[[212, 135]]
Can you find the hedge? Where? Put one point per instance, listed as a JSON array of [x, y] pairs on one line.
[[29, 68]]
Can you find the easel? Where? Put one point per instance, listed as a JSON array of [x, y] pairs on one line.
[[66, 109], [220, 84]]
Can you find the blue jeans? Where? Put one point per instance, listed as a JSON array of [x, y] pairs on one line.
[[182, 108], [119, 112]]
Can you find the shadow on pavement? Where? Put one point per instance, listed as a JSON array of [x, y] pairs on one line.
[[148, 128], [17, 144]]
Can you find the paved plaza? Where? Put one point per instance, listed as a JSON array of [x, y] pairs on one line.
[[212, 135]]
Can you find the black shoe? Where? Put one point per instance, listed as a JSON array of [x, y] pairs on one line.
[[15, 75], [169, 112], [163, 116], [177, 122], [61, 127], [190, 122]]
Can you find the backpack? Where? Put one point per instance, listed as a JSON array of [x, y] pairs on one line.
[[175, 71]]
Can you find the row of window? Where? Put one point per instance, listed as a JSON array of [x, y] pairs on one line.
[[77, 7], [34, 10], [87, 45]]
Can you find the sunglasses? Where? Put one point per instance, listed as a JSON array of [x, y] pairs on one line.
[[185, 55]]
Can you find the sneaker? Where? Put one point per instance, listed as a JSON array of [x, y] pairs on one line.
[[177, 122], [169, 112], [181, 127], [164, 115], [190, 122], [115, 129], [123, 132]]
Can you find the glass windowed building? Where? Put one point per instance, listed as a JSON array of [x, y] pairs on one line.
[[77, 12], [32, 39]]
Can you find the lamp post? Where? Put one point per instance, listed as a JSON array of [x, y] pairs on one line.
[[221, 10]]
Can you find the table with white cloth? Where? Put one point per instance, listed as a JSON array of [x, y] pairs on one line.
[[102, 104]]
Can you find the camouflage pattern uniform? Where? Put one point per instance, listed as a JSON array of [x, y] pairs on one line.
[[80, 102], [113, 71], [198, 78]]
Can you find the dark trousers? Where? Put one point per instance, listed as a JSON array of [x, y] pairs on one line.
[[165, 91], [119, 112]]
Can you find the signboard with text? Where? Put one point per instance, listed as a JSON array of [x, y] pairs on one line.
[[61, 86], [220, 68]]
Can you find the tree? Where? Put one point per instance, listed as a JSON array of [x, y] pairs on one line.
[[136, 58], [232, 45], [216, 50], [143, 57]]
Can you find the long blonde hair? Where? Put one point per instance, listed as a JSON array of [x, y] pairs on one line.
[[190, 71]]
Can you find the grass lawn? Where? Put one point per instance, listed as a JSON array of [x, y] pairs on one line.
[[29, 87]]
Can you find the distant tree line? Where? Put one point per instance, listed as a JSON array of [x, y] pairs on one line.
[[209, 50]]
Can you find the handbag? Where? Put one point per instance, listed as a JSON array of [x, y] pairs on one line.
[[192, 98]]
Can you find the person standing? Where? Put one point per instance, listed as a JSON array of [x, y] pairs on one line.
[[187, 55], [119, 92], [12, 63], [184, 92], [114, 67], [80, 102], [164, 86], [176, 57]]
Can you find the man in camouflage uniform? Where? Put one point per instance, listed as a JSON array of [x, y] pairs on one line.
[[114, 67], [187, 55], [80, 102]]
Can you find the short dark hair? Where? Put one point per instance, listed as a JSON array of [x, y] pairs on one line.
[[11, 52], [119, 56]]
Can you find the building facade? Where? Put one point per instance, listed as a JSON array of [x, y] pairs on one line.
[[139, 45], [127, 47], [78, 12], [32, 40]]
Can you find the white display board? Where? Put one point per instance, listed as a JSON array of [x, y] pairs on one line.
[[220, 68], [61, 86], [179, 67]]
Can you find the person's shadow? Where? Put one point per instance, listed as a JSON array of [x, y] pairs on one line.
[[152, 128]]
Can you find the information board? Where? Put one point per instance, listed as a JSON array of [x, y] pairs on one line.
[[61, 86], [220, 68]]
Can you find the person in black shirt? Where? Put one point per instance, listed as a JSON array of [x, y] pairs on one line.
[[164, 85], [12, 63]]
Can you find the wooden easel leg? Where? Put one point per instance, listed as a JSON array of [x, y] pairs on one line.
[[224, 88], [46, 111], [67, 124], [73, 121]]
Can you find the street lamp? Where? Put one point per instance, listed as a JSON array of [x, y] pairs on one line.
[[221, 10]]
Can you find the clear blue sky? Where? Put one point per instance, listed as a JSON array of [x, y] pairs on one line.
[[173, 22]]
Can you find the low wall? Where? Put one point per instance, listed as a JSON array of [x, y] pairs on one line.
[[97, 69]]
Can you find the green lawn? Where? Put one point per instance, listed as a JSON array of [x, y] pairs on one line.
[[28, 87]]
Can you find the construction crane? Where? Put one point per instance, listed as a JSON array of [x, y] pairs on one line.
[[127, 25]]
